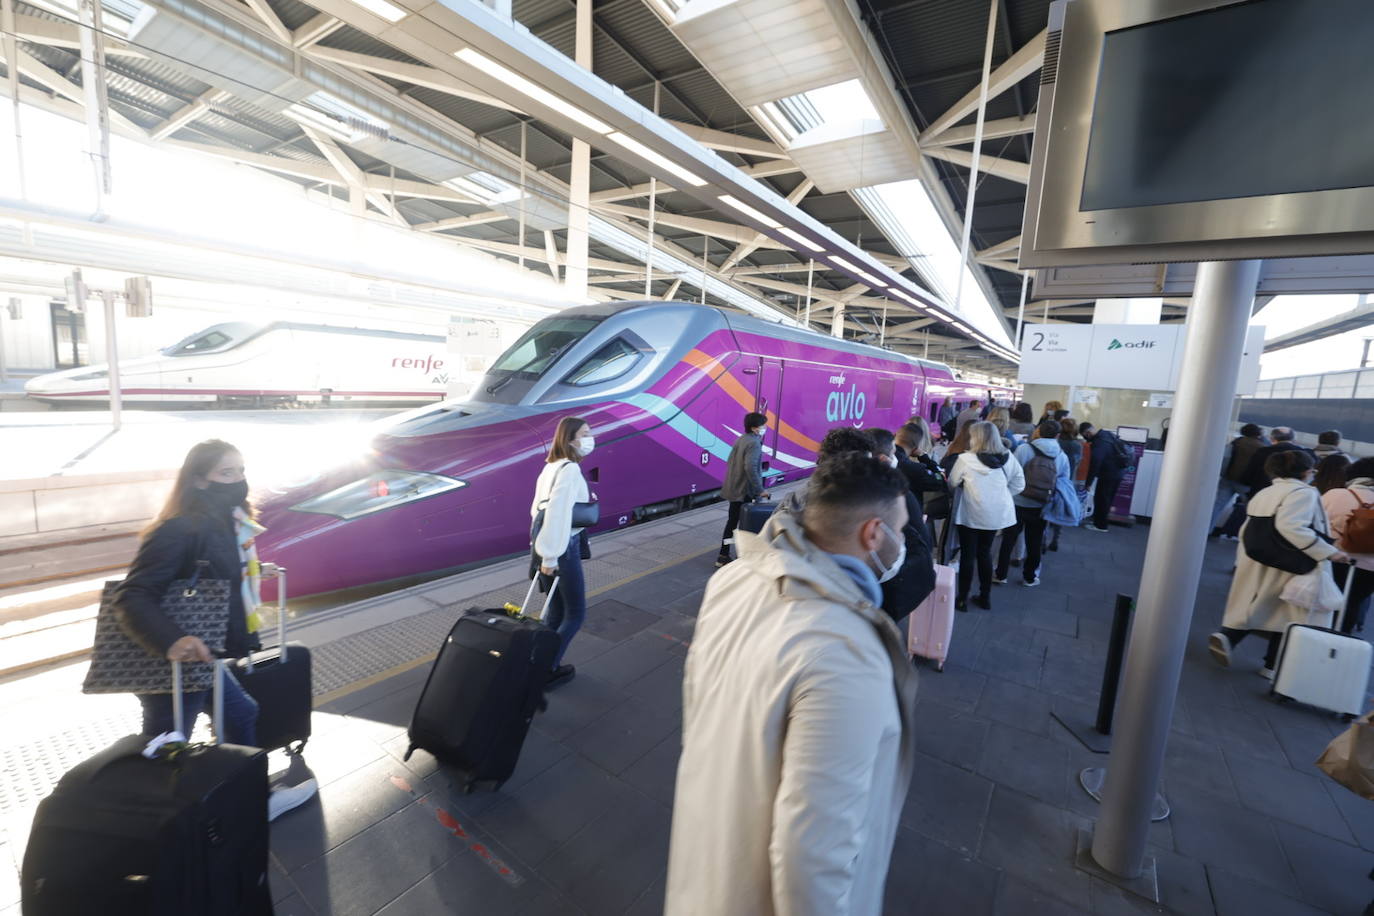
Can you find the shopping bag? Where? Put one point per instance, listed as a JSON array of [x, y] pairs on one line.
[[1349, 758], [1316, 591]]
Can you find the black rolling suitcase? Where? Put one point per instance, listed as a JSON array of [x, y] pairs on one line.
[[753, 516], [279, 680], [127, 835], [483, 690]]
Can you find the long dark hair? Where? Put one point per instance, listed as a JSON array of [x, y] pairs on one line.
[[563, 437], [200, 461], [1331, 473]]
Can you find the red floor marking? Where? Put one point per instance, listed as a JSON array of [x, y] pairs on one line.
[[401, 784], [450, 823]]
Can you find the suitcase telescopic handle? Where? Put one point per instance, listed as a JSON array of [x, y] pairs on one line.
[[544, 611], [272, 569], [216, 701]]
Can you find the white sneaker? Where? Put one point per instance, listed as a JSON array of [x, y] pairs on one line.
[[1031, 583], [1267, 673], [1220, 647], [284, 798]]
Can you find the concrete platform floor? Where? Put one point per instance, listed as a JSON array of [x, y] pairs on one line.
[[990, 823]]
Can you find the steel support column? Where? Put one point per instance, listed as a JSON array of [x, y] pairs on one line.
[[977, 153], [579, 190], [1213, 347], [112, 360]]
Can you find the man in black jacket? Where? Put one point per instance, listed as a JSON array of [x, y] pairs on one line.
[[1282, 437], [743, 478], [916, 579], [1107, 466]]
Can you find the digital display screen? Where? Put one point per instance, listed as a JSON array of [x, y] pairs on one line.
[[1242, 101]]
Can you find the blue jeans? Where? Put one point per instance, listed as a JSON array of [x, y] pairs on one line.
[[240, 713], [568, 608]]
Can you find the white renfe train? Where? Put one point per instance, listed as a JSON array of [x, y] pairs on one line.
[[264, 365]]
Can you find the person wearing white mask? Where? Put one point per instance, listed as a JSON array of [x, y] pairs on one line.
[[558, 546], [797, 740], [915, 578]]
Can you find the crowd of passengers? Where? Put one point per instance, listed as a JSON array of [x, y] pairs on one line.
[[798, 689]]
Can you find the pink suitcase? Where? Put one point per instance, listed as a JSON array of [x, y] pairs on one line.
[[932, 623]]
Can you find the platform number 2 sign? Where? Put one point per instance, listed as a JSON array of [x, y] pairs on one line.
[[1039, 341]]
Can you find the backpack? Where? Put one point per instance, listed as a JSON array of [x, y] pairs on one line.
[[1124, 454], [1359, 528], [1041, 473]]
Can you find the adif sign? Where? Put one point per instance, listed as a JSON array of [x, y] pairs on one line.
[[1119, 356]]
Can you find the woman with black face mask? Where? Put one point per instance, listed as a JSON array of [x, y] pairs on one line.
[[207, 518]]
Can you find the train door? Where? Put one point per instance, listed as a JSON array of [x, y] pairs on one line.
[[69, 348], [768, 400]]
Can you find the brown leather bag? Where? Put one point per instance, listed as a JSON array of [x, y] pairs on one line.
[[1359, 528]]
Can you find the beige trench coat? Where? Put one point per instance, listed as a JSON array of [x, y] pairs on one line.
[[1254, 602], [798, 744]]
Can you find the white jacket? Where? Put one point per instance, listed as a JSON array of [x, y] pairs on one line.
[[798, 743], [1255, 601], [560, 489], [986, 501]]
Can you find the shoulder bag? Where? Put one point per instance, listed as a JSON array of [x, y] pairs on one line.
[[199, 606], [1266, 545], [584, 516]]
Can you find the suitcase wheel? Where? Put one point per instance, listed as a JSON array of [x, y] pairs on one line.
[[300, 748], [1280, 698], [940, 667], [1347, 717]]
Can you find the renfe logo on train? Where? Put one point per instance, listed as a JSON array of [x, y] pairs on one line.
[[424, 365]]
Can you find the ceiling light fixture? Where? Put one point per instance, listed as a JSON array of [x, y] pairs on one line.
[[859, 272], [544, 97], [388, 11], [750, 212], [800, 239], [658, 159]]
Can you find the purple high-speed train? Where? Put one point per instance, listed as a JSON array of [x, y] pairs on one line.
[[664, 386]]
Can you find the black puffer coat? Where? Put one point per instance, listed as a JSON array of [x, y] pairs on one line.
[[170, 552]]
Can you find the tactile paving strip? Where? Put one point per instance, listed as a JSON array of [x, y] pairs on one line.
[[32, 768]]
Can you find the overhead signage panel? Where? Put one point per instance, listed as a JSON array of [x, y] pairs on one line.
[[1137, 356]]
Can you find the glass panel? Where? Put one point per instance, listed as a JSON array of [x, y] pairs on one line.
[[213, 339], [383, 489], [611, 361], [1264, 389], [541, 345], [1365, 387], [1306, 386], [1338, 385], [1283, 388]]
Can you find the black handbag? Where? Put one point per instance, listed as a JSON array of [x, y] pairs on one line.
[[1266, 545], [199, 606]]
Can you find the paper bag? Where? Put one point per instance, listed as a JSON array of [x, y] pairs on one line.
[[1349, 758]]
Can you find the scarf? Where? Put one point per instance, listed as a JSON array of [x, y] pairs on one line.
[[246, 532]]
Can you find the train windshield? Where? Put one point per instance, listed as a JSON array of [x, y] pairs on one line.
[[541, 346], [213, 339]]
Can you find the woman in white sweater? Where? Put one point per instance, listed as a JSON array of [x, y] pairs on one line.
[[558, 545], [984, 480]]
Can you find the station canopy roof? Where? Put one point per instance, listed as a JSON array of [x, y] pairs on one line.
[[852, 122]]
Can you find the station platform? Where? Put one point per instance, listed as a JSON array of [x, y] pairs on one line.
[[582, 827]]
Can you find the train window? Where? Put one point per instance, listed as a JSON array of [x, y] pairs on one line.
[[610, 362], [541, 345], [380, 490], [934, 412], [885, 386], [213, 339]]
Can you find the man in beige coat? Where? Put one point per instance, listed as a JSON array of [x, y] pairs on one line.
[[798, 697]]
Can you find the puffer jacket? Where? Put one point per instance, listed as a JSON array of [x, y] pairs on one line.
[[798, 739], [1050, 448], [984, 485]]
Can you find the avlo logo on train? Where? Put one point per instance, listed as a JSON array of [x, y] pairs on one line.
[[845, 405]]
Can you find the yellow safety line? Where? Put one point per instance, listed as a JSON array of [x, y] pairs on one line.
[[402, 668]]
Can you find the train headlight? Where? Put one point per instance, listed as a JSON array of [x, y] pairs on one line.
[[385, 489]]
